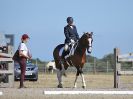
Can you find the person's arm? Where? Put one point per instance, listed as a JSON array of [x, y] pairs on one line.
[[29, 54], [77, 36], [22, 55], [66, 33], [21, 49]]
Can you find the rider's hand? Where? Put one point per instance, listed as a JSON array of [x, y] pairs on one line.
[[29, 55], [72, 41]]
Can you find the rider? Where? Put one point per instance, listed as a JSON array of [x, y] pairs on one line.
[[71, 35]]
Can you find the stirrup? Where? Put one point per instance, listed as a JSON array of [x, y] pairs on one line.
[[64, 61]]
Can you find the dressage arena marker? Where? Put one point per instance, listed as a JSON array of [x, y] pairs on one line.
[[88, 92], [1, 93]]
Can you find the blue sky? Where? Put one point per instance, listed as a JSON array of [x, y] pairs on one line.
[[44, 20]]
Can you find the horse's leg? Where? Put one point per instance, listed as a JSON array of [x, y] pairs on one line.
[[52, 71], [59, 76], [63, 69], [82, 76], [83, 80], [75, 82]]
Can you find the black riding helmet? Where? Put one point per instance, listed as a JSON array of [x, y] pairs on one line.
[[70, 20]]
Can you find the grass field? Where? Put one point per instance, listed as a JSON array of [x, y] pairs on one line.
[[92, 81], [49, 82]]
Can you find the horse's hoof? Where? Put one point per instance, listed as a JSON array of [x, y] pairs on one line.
[[60, 86], [84, 87], [64, 74], [75, 87]]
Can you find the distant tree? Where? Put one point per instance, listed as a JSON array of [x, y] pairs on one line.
[[110, 59], [90, 59], [38, 61]]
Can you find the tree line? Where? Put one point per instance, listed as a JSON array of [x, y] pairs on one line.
[[93, 63]]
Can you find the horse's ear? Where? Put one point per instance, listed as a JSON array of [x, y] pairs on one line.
[[91, 33]]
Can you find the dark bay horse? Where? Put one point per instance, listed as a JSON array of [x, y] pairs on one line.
[[78, 59]]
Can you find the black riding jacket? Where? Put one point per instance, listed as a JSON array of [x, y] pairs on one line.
[[70, 33]]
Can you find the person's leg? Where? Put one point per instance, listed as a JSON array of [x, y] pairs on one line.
[[23, 69], [65, 51]]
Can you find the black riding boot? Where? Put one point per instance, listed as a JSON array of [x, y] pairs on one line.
[[63, 55]]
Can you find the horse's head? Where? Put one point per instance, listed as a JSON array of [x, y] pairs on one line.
[[86, 41]]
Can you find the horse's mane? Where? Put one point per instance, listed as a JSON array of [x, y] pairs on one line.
[[80, 44], [82, 37]]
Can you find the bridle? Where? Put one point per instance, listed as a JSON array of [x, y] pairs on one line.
[[90, 40]]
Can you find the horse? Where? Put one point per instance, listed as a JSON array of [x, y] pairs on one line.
[[78, 59], [51, 67]]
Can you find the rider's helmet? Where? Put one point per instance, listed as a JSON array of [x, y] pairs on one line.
[[69, 20]]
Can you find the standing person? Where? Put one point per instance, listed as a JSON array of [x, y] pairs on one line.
[[71, 35], [24, 54]]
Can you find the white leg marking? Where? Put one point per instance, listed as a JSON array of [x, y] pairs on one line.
[[75, 82], [83, 81]]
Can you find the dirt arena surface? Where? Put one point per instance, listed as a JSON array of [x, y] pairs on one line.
[[48, 82]]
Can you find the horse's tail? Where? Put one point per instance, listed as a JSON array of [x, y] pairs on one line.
[[57, 56]]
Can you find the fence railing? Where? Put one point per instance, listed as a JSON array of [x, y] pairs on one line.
[[88, 67]]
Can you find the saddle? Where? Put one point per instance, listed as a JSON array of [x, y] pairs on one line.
[[70, 51]]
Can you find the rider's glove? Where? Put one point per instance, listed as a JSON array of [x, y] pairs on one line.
[[72, 41]]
